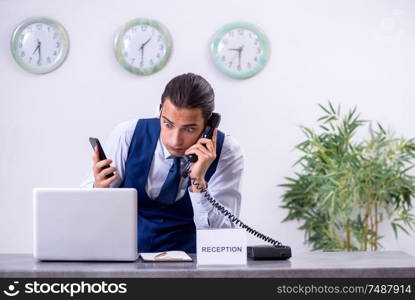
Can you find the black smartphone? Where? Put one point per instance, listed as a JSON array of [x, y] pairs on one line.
[[95, 143], [212, 123]]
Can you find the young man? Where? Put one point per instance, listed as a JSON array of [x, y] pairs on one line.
[[148, 155]]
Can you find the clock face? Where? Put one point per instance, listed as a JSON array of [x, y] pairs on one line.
[[143, 46], [240, 50], [39, 45]]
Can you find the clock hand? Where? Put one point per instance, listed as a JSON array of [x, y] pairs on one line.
[[146, 42], [141, 53], [142, 48], [35, 49], [240, 49], [40, 55], [236, 49]]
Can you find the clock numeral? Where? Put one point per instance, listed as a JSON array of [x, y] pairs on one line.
[[241, 31], [256, 42], [258, 50], [20, 45], [151, 62], [231, 33], [128, 37], [223, 58], [161, 47], [39, 63], [58, 44], [230, 64], [55, 53], [141, 64], [55, 35], [256, 58], [158, 55], [48, 28], [22, 54], [143, 27], [30, 59], [225, 41], [39, 26], [48, 60], [125, 54], [134, 29], [249, 65], [159, 38], [250, 35]]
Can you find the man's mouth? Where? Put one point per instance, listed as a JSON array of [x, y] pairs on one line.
[[177, 149]]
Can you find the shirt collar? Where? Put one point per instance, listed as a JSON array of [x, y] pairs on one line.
[[165, 153]]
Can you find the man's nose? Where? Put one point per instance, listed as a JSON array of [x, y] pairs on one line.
[[176, 138]]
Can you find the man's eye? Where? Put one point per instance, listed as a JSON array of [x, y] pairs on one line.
[[168, 125], [190, 129]]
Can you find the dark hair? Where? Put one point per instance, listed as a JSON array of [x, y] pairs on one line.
[[190, 91]]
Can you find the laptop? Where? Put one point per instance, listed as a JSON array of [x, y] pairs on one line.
[[81, 224]]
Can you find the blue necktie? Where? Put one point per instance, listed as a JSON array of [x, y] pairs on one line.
[[168, 192]]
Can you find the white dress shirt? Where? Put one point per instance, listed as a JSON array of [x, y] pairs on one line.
[[224, 185]]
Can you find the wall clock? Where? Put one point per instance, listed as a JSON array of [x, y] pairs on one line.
[[240, 49], [143, 46], [39, 45]]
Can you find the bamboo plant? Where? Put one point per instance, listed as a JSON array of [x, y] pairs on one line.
[[345, 188]]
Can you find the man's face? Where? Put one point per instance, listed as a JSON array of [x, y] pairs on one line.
[[180, 127]]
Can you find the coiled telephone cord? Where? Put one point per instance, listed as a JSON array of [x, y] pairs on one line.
[[232, 217]]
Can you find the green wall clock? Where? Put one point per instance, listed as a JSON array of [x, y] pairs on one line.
[[143, 46], [39, 45], [240, 49]]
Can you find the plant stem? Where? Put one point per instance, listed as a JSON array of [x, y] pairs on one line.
[[371, 230], [348, 238], [376, 226], [366, 229]]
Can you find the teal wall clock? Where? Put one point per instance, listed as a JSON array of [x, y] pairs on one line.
[[39, 45], [240, 49], [143, 46]]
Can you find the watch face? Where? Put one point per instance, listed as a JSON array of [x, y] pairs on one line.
[[39, 45], [143, 46], [240, 50]]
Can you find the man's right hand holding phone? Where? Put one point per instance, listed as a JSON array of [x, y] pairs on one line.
[[101, 170]]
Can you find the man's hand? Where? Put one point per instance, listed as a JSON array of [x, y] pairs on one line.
[[205, 149], [100, 173]]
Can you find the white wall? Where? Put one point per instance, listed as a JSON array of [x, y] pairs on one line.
[[352, 52]]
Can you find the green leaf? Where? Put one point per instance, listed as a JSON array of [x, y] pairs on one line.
[[323, 108], [332, 108]]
